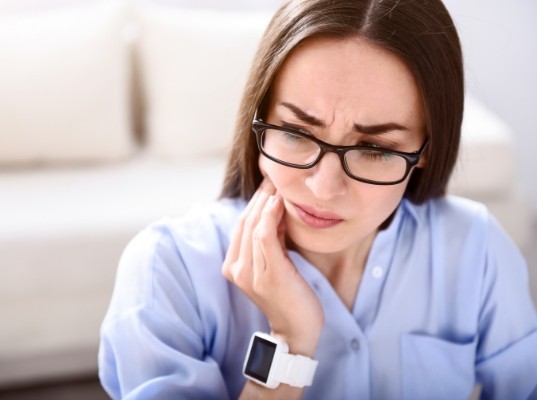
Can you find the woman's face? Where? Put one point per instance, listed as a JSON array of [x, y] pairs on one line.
[[334, 89]]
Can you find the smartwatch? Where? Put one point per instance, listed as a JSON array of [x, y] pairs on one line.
[[268, 363]]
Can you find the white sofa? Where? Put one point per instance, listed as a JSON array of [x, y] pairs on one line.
[[116, 114]]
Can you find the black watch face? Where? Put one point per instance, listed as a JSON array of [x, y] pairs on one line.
[[260, 359]]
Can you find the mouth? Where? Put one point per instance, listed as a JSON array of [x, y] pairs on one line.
[[316, 218]]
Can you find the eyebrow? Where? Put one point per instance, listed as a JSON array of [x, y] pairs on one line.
[[364, 129]]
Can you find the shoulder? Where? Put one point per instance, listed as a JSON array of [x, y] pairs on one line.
[[206, 223], [168, 255], [451, 208], [452, 217], [464, 232]]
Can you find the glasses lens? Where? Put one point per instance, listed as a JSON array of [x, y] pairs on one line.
[[290, 147], [375, 165], [298, 150]]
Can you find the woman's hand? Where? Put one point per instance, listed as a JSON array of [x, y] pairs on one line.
[[257, 262]]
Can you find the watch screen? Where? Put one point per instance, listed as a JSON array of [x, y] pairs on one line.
[[260, 359]]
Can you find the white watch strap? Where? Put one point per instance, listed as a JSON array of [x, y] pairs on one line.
[[295, 370]]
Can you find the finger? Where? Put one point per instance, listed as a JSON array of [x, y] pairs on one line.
[[236, 238], [259, 264], [238, 264], [251, 218], [258, 237], [282, 230], [267, 236], [250, 223], [259, 190]]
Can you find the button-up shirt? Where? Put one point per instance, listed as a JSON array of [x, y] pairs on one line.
[[443, 305]]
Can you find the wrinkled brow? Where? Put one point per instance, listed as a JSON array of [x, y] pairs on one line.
[[375, 129]]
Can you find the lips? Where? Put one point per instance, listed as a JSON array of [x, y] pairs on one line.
[[316, 218]]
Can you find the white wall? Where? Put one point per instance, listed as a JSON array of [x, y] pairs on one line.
[[499, 40]]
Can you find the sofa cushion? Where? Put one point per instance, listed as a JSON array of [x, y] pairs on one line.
[[194, 64], [64, 79], [62, 233]]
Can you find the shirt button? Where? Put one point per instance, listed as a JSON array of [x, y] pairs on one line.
[[377, 272], [355, 344]]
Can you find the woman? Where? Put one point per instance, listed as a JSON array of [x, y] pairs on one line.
[[333, 237]]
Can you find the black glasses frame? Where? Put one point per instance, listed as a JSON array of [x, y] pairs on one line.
[[412, 159]]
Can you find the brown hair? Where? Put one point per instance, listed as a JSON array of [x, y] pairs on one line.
[[421, 33]]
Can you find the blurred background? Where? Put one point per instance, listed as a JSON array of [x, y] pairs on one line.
[[500, 48], [114, 113]]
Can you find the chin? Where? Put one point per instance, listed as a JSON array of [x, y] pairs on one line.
[[321, 241]]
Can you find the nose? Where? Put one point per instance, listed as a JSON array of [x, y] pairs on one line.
[[327, 179]]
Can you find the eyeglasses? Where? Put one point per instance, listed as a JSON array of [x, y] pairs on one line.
[[369, 164]]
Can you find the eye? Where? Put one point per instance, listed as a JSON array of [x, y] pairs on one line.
[[295, 128], [373, 155], [291, 136]]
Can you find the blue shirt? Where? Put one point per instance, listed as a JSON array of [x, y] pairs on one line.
[[443, 304]]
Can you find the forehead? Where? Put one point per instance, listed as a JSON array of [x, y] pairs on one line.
[[327, 75]]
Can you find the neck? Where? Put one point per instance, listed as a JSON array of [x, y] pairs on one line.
[[343, 269]]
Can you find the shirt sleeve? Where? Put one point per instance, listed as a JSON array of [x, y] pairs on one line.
[[152, 339], [507, 348]]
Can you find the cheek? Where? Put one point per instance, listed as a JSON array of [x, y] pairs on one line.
[[279, 174], [390, 194], [383, 200], [263, 163], [372, 204]]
